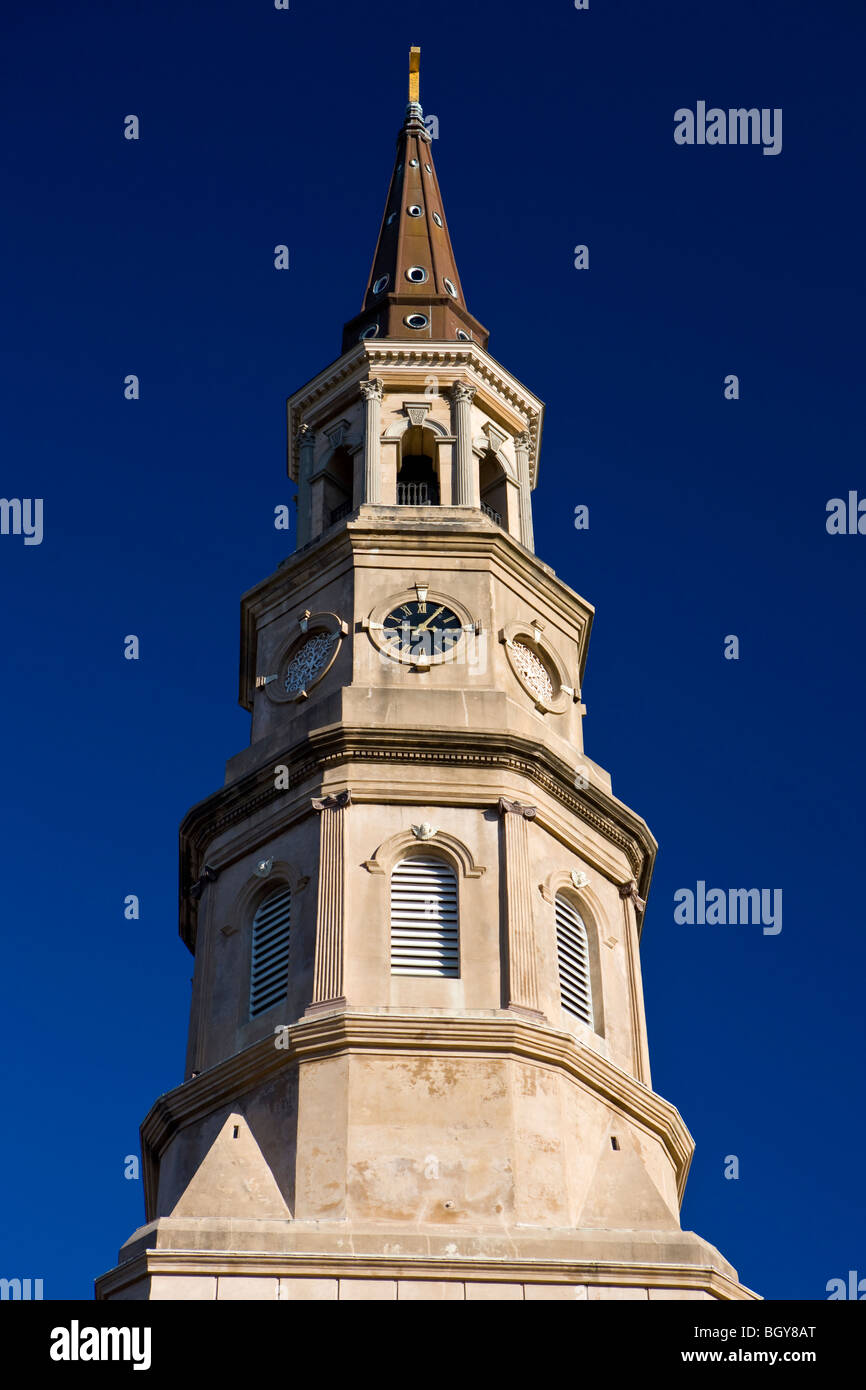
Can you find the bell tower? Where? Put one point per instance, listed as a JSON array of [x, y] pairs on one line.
[[417, 1063]]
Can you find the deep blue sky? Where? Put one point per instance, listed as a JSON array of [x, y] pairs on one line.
[[707, 517]]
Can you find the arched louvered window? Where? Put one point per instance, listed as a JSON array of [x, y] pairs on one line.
[[269, 965], [424, 928], [572, 946]]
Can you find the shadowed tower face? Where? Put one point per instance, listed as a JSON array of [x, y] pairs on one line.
[[417, 1061]]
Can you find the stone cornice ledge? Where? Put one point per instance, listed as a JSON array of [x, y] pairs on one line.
[[510, 1270], [343, 1031], [323, 748]]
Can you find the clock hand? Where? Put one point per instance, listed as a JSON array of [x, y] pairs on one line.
[[422, 626]]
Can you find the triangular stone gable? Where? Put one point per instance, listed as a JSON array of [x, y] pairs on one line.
[[621, 1192], [233, 1179]]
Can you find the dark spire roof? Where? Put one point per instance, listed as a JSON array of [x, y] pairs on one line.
[[414, 274]]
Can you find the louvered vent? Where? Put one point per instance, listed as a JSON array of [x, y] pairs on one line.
[[424, 933], [270, 952], [573, 951]]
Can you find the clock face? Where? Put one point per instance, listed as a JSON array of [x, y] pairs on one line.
[[422, 630]]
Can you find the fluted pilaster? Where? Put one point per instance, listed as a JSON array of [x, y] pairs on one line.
[[521, 449], [522, 963], [372, 393], [328, 967], [305, 440]]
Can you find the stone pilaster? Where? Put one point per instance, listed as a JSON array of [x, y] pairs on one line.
[[328, 967], [372, 393], [521, 450], [522, 964], [466, 491], [305, 440]]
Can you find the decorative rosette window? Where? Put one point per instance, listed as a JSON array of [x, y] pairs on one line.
[[308, 657], [537, 667]]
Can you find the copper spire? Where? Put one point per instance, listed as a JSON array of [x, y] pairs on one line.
[[414, 291]]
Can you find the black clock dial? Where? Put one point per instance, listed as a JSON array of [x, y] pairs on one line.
[[421, 629]]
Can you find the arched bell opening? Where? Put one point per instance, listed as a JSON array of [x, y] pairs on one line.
[[418, 476], [339, 482], [494, 489]]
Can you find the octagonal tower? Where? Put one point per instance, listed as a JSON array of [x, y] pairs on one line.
[[417, 1062]]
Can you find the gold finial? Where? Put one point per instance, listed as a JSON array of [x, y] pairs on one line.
[[414, 74]]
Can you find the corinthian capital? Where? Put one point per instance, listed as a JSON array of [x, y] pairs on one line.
[[516, 808], [523, 441], [336, 802], [372, 390], [462, 391], [305, 436]]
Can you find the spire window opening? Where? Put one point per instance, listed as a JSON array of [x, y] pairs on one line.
[[437, 219], [339, 479], [450, 287], [414, 210], [381, 284], [572, 948], [417, 479], [269, 963], [424, 918], [371, 331], [417, 274], [494, 489], [416, 320]]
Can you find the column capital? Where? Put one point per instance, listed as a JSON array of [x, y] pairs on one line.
[[305, 435], [372, 390], [335, 802], [523, 441], [462, 391], [515, 808]]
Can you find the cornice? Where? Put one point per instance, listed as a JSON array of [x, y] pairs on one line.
[[453, 1268], [333, 1034], [322, 751]]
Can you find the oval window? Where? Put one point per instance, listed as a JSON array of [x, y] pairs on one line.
[[414, 210], [380, 284], [417, 274], [416, 320], [449, 287], [371, 331], [437, 219]]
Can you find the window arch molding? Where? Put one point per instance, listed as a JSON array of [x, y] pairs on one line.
[[439, 842], [588, 906], [482, 444], [400, 426]]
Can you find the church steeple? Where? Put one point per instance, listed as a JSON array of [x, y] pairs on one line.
[[417, 1065], [414, 289]]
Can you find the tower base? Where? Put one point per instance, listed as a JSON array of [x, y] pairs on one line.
[[204, 1259]]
